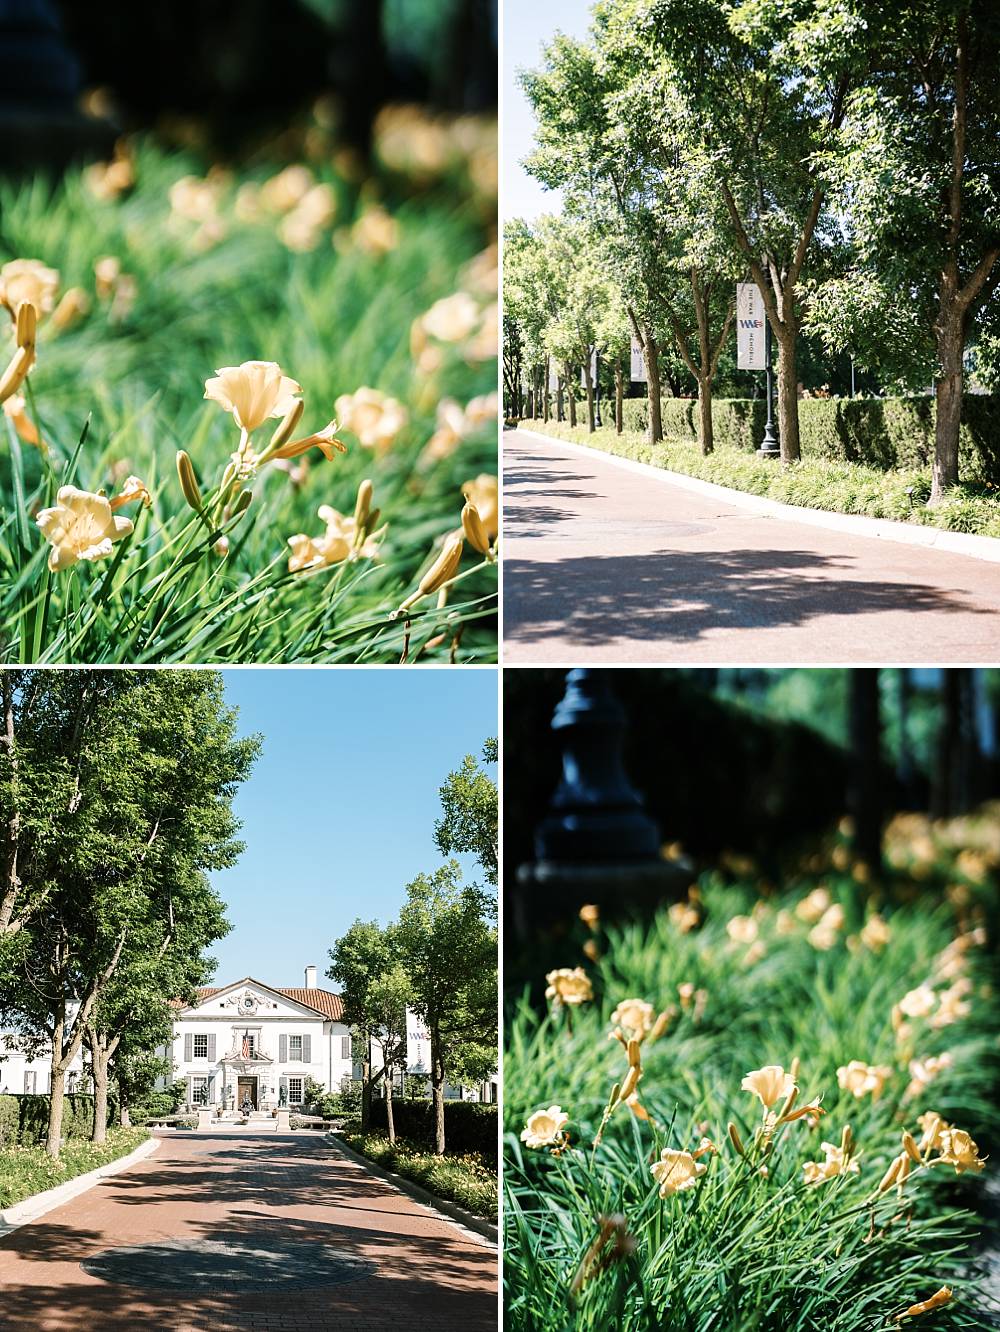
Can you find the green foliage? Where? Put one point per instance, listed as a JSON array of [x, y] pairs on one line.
[[741, 1249], [816, 482], [470, 812], [470, 1127], [32, 1111], [466, 1180], [25, 1171], [10, 1116], [122, 391]]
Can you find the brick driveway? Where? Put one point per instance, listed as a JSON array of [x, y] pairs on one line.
[[263, 1192]]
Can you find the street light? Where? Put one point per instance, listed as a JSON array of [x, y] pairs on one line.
[[769, 447]]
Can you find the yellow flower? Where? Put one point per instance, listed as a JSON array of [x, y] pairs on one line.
[[72, 307], [80, 526], [876, 933], [569, 985], [836, 1161], [939, 1298], [28, 280], [683, 917], [15, 408], [676, 1171], [452, 318], [254, 392], [924, 1071], [107, 271], [824, 933], [132, 489], [742, 929], [770, 1084], [194, 199], [475, 533], [590, 914], [483, 492], [289, 187], [958, 1149], [340, 542], [375, 231], [952, 1003], [325, 440], [932, 1126], [918, 1003], [811, 908], [544, 1128], [634, 1017], [374, 417], [860, 1078]]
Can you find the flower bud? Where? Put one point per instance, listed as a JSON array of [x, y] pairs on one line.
[[441, 571], [189, 483], [288, 423], [243, 501], [27, 321], [472, 525], [735, 1139], [362, 505], [16, 373]]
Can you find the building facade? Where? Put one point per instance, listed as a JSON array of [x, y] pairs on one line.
[[31, 1073], [251, 1044]]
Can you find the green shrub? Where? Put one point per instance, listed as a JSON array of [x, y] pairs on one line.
[[469, 1126], [25, 1171], [468, 1180], [9, 1120], [882, 433]]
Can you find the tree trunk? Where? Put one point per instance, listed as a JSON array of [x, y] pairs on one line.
[[366, 1086], [99, 1058], [619, 394], [437, 1091], [948, 395], [651, 354], [865, 791], [571, 396], [705, 429], [788, 395], [57, 1097], [390, 1122], [588, 384]]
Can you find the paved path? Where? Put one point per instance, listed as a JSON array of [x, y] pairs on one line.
[[602, 564], [292, 1205]]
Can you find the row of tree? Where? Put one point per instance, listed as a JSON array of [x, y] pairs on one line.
[[438, 959], [116, 792], [840, 154]]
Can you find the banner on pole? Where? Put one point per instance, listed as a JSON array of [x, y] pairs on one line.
[[418, 1044], [750, 334], [637, 373], [593, 370], [553, 375]]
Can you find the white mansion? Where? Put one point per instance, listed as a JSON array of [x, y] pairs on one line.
[[250, 1042]]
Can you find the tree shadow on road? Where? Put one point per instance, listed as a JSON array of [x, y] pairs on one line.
[[674, 597]]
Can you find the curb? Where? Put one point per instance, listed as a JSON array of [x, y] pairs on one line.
[[30, 1209], [419, 1194], [885, 529]]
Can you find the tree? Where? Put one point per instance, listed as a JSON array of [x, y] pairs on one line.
[[469, 816], [449, 950], [358, 961], [142, 768], [389, 995]]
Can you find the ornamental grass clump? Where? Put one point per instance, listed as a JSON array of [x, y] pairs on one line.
[[762, 1148], [222, 439]]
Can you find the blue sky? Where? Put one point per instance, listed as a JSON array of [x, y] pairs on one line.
[[339, 813], [527, 24]]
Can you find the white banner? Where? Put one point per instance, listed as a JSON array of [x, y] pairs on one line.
[[637, 373], [750, 318], [553, 376], [593, 370], [418, 1044]]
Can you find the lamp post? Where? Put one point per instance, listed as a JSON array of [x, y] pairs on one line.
[[769, 447], [597, 389]]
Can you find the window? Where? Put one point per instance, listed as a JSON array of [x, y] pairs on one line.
[[248, 1046], [199, 1091], [295, 1091], [345, 1047], [30, 1080], [295, 1048], [201, 1045]]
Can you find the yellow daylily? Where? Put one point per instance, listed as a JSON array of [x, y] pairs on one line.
[[254, 392], [80, 526]]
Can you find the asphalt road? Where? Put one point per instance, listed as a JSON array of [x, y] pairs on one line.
[[602, 564]]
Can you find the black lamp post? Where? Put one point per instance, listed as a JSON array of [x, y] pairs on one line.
[[597, 390], [769, 445]]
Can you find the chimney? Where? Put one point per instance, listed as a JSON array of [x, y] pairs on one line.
[[310, 978]]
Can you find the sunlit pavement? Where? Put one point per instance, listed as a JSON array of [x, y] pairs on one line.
[[602, 564], [261, 1232]]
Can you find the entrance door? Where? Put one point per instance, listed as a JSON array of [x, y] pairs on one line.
[[246, 1087]]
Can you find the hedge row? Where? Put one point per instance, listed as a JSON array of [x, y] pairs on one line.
[[24, 1118], [881, 432], [470, 1128]]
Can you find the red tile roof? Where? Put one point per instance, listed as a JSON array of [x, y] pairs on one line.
[[327, 1003]]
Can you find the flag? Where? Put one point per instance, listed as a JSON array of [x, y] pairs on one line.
[[246, 1045]]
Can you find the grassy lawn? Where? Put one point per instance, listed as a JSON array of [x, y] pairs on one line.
[[775, 1226], [814, 483], [465, 1180], [25, 1171], [199, 266]]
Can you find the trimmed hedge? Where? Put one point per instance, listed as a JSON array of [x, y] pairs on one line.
[[24, 1117], [470, 1127], [886, 433]]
